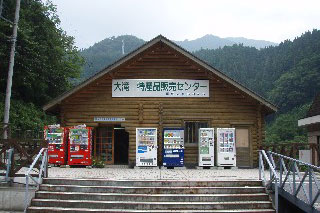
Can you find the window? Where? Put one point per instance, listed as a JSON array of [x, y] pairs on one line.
[[191, 130]]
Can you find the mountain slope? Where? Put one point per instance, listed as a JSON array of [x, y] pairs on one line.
[[106, 52], [205, 42], [214, 42], [251, 42], [109, 50]]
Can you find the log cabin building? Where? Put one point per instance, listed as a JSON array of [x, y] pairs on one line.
[[312, 124], [99, 103]]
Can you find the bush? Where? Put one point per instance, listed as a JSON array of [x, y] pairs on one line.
[[26, 116], [97, 163]]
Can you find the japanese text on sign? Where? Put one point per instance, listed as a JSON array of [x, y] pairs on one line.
[[160, 88]]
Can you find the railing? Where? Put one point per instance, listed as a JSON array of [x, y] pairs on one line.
[[273, 175], [26, 145], [292, 150], [43, 172], [291, 178]]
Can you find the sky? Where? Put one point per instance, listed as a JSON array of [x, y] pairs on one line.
[[90, 21]]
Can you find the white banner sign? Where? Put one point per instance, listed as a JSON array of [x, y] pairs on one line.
[[160, 88], [108, 119]]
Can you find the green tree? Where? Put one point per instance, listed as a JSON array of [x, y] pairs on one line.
[[46, 58]]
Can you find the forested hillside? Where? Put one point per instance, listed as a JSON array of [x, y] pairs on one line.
[[46, 59], [288, 75], [107, 51]]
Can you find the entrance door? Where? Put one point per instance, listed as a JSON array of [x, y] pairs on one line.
[[104, 143], [121, 145], [243, 147]]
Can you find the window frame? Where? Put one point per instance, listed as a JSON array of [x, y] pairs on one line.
[[199, 120]]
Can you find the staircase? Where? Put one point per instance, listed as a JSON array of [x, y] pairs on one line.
[[97, 195]]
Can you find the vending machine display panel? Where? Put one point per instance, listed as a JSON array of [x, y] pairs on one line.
[[56, 137], [79, 147], [173, 147], [206, 147], [146, 147], [226, 149]]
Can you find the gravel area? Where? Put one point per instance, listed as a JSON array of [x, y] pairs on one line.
[[155, 174]]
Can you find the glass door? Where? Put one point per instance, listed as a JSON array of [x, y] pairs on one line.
[[104, 144]]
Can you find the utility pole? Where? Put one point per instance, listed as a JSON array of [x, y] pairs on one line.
[[10, 71], [1, 7]]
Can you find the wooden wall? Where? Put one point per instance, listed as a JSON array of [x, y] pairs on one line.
[[226, 106]]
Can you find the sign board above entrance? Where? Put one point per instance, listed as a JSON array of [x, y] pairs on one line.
[[160, 88], [108, 119]]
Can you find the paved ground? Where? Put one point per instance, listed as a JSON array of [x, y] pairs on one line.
[[152, 174]]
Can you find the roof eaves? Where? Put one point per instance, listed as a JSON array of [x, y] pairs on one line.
[[176, 47], [101, 73], [221, 74]]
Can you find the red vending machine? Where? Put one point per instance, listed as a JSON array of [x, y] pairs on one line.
[[56, 137], [79, 147]]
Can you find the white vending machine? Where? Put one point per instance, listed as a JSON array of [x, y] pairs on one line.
[[206, 147], [226, 149], [146, 150]]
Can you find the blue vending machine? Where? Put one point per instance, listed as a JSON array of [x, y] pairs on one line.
[[173, 147]]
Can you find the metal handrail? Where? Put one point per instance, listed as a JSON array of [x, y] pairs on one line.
[[42, 173], [290, 175], [273, 175]]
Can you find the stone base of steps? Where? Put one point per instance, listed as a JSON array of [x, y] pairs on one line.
[[153, 205], [151, 197], [84, 210], [99, 195], [152, 190]]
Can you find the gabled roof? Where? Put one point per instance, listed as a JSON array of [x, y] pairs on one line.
[[179, 49], [315, 107], [313, 115]]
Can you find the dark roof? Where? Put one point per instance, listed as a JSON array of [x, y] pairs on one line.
[[171, 44], [315, 107]]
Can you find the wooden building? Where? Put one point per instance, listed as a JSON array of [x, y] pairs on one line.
[[312, 123], [115, 119]]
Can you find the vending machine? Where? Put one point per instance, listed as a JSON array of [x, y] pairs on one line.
[[173, 147], [206, 147], [146, 147], [79, 147], [56, 137], [226, 149]]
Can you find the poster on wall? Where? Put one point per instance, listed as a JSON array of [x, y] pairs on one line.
[[160, 88]]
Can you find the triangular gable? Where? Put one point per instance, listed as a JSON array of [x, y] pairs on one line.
[[315, 107], [179, 49]]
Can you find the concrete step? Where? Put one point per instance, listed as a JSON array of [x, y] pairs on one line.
[[152, 190], [106, 182], [151, 197], [35, 209], [152, 205]]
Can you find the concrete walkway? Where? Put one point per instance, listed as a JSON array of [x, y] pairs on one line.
[[155, 174]]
